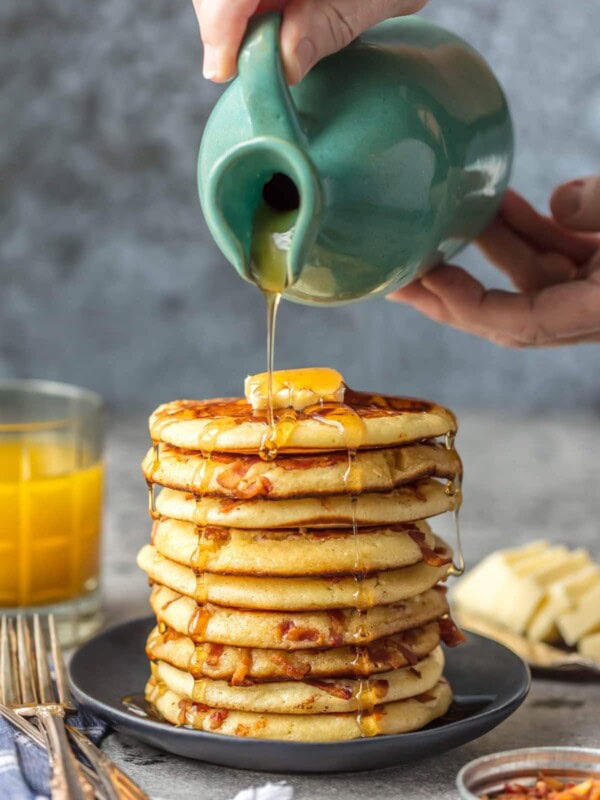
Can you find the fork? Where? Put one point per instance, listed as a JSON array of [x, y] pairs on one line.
[[109, 781], [31, 692]]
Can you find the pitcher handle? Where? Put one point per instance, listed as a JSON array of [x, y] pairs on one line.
[[264, 87]]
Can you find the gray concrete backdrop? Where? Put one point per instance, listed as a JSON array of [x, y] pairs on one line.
[[109, 276]]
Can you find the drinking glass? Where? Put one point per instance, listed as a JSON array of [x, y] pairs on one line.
[[51, 488]]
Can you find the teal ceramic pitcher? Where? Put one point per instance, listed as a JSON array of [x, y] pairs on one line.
[[393, 154]]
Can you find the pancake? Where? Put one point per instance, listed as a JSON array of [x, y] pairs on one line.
[[244, 552], [237, 664], [420, 500], [297, 593], [230, 424], [248, 476], [323, 696], [293, 630], [399, 717]]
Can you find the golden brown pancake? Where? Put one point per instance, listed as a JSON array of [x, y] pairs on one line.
[[237, 664], [399, 717], [248, 476], [324, 696], [230, 424], [236, 551], [419, 500], [293, 630], [297, 593]]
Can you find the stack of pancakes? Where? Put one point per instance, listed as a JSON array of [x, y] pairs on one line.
[[299, 598]]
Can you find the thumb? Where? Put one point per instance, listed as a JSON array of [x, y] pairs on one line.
[[577, 204], [312, 29]]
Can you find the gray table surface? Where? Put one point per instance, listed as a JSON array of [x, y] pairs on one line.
[[525, 478]]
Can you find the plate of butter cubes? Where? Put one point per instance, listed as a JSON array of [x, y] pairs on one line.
[[541, 600]]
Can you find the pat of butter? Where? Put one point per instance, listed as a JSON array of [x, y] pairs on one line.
[[582, 620], [295, 388], [590, 646]]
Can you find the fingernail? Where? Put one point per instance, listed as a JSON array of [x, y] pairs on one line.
[[567, 201], [210, 64], [305, 55]]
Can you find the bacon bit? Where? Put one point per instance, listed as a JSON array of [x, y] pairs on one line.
[[380, 688], [296, 464], [242, 730], [450, 632], [335, 690], [424, 697], [336, 628], [233, 479], [291, 632], [549, 789], [294, 671], [213, 533], [242, 668], [217, 718], [188, 711], [432, 557], [262, 487], [298, 634], [233, 475], [215, 651], [414, 672], [410, 657]]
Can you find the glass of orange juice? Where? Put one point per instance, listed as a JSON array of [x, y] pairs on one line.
[[51, 478]]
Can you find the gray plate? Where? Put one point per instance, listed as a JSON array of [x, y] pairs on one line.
[[489, 683]]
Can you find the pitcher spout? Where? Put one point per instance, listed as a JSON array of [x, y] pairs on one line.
[[263, 176]]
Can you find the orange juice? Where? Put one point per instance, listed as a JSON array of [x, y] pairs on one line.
[[50, 514]]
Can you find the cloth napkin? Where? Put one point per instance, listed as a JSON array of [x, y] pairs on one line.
[[270, 791], [24, 769]]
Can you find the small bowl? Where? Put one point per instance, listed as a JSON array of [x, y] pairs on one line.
[[490, 773]]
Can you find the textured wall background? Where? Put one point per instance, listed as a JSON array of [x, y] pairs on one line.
[[109, 276]]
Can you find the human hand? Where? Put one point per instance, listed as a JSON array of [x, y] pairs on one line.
[[310, 29], [554, 267]]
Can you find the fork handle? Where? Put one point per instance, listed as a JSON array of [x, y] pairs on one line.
[[117, 785], [66, 782]]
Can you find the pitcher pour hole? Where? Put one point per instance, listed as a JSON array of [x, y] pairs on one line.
[[281, 193]]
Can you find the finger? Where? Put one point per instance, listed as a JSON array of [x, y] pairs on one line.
[[576, 204], [528, 269], [312, 29], [543, 233], [560, 312], [222, 27]]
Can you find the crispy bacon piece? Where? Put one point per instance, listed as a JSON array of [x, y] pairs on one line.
[[436, 557], [296, 633], [450, 632], [234, 480], [294, 671], [336, 628], [215, 651], [424, 697], [217, 718], [548, 788], [335, 690]]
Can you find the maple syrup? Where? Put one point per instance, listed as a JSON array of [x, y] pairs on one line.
[[454, 489]]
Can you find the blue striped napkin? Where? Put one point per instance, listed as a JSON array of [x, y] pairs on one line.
[[24, 770]]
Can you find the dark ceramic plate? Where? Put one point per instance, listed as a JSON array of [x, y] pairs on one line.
[[489, 683]]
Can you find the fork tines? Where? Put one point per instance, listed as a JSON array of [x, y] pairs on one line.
[[25, 674]]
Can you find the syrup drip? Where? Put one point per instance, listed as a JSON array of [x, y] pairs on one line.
[[270, 443], [199, 622], [454, 489]]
